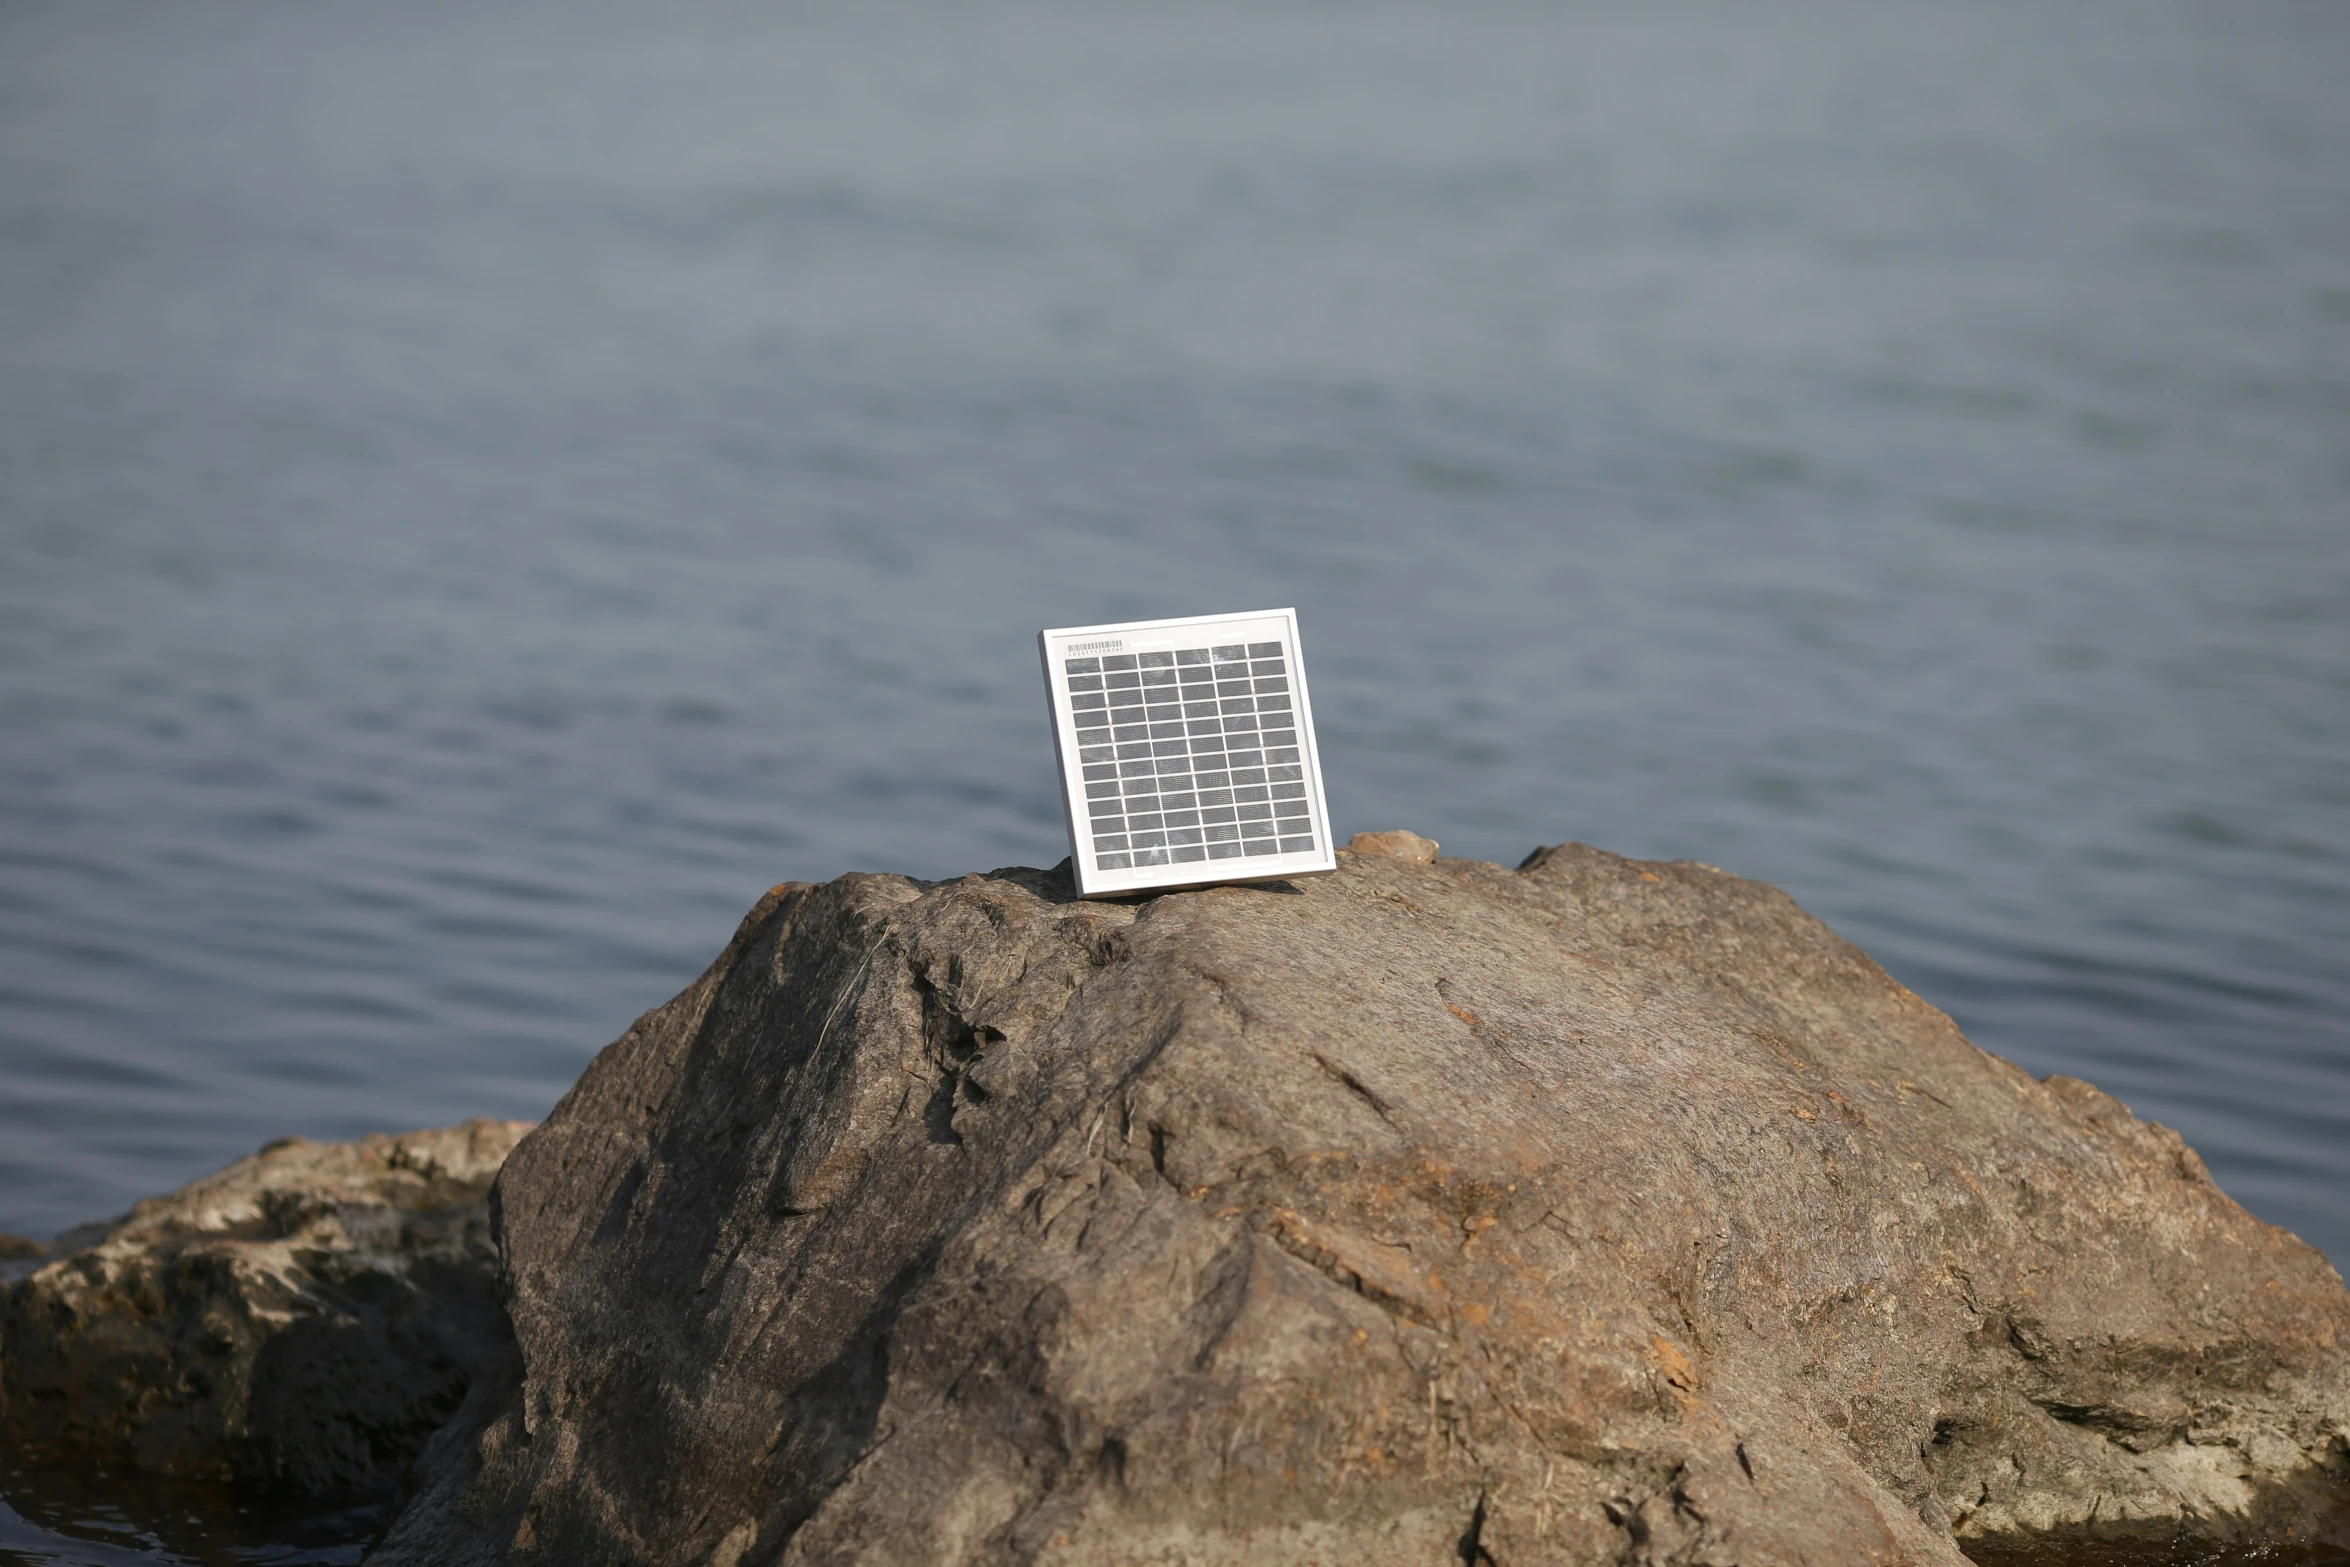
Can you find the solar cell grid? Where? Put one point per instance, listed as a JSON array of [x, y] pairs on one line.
[[1221, 707]]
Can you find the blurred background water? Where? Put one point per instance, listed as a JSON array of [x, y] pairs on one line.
[[487, 489]]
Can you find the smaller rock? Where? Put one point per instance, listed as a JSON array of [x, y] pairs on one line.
[[1396, 845], [302, 1320], [15, 1248]]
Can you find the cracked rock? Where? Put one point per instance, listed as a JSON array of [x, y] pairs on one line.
[[1427, 1211]]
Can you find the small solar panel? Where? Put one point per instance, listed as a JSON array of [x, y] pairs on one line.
[[1187, 752]]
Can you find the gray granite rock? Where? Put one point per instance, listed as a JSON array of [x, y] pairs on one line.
[[1425, 1212], [304, 1319]]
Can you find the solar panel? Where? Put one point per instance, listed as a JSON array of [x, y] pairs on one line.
[[1187, 752]]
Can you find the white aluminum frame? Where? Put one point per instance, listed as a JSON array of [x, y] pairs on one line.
[[1144, 636]]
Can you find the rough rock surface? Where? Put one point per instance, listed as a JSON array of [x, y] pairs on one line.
[[1425, 1212], [305, 1318]]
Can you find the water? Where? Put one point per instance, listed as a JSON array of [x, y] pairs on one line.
[[485, 490], [62, 1518]]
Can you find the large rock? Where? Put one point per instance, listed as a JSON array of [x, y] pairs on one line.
[[1422, 1213], [304, 1319]]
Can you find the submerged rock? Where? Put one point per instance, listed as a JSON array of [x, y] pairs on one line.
[[1424, 1212], [303, 1319]]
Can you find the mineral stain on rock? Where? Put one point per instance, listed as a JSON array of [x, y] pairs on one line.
[[1428, 1211]]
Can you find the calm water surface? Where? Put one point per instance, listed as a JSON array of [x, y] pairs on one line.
[[485, 490]]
